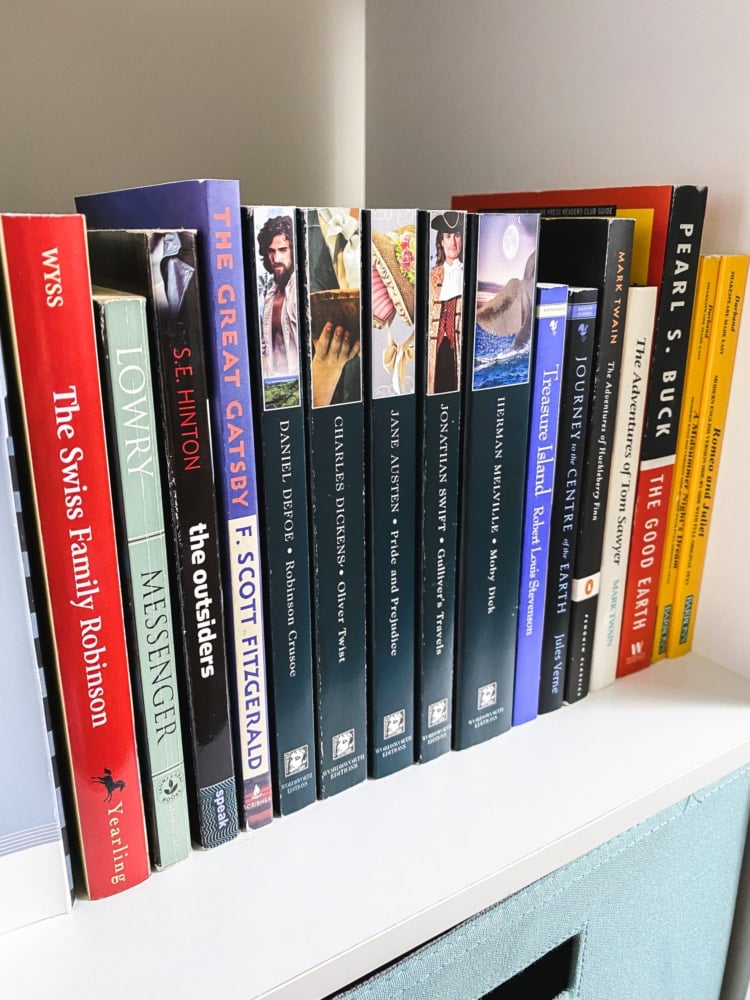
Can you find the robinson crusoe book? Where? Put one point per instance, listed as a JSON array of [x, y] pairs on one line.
[[271, 287]]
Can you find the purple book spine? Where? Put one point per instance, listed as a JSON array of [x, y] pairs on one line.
[[551, 312]]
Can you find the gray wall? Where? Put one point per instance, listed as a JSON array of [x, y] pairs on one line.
[[111, 94]]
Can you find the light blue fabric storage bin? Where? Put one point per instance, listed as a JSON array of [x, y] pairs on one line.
[[650, 911]]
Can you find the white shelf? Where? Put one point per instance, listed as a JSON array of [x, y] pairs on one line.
[[314, 901]]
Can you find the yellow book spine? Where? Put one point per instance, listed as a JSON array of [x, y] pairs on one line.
[[722, 349], [687, 436]]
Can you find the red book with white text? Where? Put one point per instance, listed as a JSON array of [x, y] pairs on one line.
[[48, 332]]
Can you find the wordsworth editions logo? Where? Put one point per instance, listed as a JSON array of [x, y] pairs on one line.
[[296, 761], [394, 724], [486, 696], [343, 744], [437, 713]]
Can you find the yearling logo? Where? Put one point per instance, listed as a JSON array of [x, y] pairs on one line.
[[115, 815], [109, 783]]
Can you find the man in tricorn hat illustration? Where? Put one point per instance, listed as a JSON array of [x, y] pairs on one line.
[[446, 296]]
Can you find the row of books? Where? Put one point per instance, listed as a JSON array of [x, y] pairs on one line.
[[324, 492]]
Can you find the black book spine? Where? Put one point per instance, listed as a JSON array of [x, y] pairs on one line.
[[594, 252], [388, 239], [331, 325], [439, 437], [574, 408], [282, 487], [162, 265]]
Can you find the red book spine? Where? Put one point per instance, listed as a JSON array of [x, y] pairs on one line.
[[51, 334]]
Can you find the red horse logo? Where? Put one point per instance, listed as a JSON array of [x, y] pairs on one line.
[[109, 783]]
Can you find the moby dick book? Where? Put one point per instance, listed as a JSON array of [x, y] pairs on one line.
[[441, 320], [135, 470], [501, 260], [637, 343], [546, 384], [161, 265], [594, 252], [571, 445], [212, 208], [272, 307], [49, 334], [34, 865], [329, 239], [389, 278]]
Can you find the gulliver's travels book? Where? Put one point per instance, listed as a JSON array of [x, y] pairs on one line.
[[34, 866], [136, 475], [389, 278], [212, 208], [54, 388], [571, 446], [162, 266], [440, 331], [271, 288], [500, 336], [546, 384], [330, 251]]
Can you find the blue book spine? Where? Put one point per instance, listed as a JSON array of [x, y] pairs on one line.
[[551, 313], [212, 208]]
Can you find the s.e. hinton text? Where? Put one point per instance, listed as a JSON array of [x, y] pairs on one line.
[[70, 457]]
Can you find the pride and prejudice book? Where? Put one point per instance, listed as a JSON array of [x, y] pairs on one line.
[[136, 475], [441, 320], [162, 266], [546, 384], [35, 868], [500, 261], [575, 394], [212, 208], [389, 293], [271, 281], [54, 389], [329, 241]]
